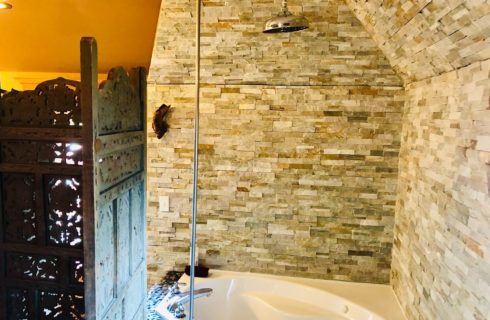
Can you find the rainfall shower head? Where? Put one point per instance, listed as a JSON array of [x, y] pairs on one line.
[[285, 21]]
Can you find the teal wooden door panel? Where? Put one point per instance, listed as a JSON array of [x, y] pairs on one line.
[[116, 283]]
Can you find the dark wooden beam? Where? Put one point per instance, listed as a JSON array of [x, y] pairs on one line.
[[41, 250], [89, 98], [41, 134], [40, 168]]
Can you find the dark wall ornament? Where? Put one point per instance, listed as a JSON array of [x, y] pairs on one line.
[[160, 125]]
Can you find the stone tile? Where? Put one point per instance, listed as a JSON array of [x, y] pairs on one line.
[[441, 268]]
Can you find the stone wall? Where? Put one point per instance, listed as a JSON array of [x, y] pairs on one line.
[[298, 173], [441, 258], [300, 135], [298, 181], [335, 50], [425, 38]]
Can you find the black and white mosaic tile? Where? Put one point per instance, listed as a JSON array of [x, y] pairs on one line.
[[158, 292]]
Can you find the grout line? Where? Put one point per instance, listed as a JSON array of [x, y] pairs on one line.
[[280, 85], [443, 73]]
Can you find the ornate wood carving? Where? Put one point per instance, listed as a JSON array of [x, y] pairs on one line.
[[54, 103], [61, 306], [41, 257], [23, 266], [119, 104], [76, 271], [19, 208], [32, 152], [118, 166], [18, 304], [64, 210], [116, 111], [51, 266]]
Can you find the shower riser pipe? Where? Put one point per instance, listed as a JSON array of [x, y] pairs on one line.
[[196, 160]]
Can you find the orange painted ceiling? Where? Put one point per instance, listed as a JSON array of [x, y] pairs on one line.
[[44, 35]]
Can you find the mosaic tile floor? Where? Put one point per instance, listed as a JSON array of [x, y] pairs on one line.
[[158, 291]]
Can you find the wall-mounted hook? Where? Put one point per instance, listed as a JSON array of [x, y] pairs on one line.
[[160, 125]]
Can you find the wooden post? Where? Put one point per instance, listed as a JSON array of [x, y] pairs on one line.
[[88, 57], [143, 96]]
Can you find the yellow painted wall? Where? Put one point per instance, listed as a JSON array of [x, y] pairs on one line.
[[44, 36], [9, 82], [29, 80]]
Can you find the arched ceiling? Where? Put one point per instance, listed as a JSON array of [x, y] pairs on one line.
[[424, 38], [44, 36]]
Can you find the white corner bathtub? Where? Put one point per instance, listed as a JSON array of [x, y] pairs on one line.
[[248, 296]]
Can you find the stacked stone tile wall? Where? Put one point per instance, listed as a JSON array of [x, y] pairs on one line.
[[300, 135], [336, 50], [426, 38], [441, 258]]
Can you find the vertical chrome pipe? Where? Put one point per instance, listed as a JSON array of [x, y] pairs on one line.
[[196, 159]]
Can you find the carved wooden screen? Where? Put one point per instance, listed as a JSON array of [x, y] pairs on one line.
[[114, 174], [41, 247]]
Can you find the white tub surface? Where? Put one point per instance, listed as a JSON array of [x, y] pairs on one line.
[[250, 296]]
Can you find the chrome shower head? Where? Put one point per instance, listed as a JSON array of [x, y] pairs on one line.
[[285, 22]]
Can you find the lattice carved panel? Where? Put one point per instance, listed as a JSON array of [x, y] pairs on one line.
[[64, 210], [19, 208], [18, 151], [33, 267], [54, 103], [60, 153], [31, 152], [18, 305], [76, 271], [119, 104], [61, 306], [118, 166]]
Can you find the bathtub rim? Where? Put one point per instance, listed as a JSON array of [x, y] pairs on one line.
[[377, 298]]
